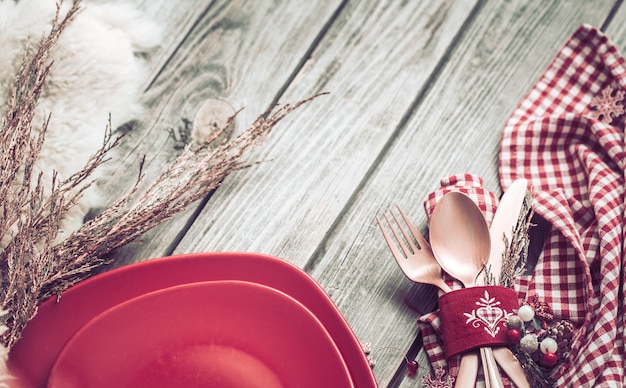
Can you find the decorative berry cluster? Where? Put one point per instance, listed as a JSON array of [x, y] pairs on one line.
[[533, 331]]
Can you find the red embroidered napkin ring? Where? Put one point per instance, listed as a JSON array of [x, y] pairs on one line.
[[475, 317]]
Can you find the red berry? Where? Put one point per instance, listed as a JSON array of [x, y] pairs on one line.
[[549, 359], [514, 336], [412, 368]]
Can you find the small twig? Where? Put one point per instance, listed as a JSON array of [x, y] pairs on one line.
[[514, 257]]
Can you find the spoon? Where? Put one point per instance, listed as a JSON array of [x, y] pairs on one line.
[[459, 237], [460, 240]]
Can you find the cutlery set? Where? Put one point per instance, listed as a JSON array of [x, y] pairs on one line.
[[462, 245]]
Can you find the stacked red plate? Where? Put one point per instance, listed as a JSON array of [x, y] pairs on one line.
[[211, 319]]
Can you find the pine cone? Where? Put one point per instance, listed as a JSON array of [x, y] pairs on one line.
[[562, 332]]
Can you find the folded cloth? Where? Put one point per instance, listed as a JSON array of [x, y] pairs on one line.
[[567, 138]]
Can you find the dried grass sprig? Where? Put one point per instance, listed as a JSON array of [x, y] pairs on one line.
[[33, 266], [29, 217], [516, 252], [514, 258], [192, 176]]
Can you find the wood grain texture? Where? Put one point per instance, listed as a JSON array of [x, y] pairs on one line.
[[615, 27], [232, 53], [418, 91], [455, 128], [321, 153], [374, 60]]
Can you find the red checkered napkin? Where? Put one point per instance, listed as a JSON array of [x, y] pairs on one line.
[[567, 138]]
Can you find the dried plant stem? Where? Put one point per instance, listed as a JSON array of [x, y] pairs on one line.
[[29, 217], [514, 258], [32, 267], [193, 175]]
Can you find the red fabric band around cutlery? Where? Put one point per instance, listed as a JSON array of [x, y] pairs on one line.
[[475, 317]]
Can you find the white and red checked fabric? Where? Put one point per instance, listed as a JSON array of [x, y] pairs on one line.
[[567, 138]]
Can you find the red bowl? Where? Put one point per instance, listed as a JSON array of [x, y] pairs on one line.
[[33, 355], [210, 334]]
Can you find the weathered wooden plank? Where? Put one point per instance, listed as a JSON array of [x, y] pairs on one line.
[[454, 129], [374, 60], [616, 29], [241, 52], [315, 202], [175, 21], [178, 19]]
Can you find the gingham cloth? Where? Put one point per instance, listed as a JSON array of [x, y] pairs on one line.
[[567, 138]]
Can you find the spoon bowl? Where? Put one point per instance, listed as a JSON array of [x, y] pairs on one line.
[[459, 237], [460, 240]]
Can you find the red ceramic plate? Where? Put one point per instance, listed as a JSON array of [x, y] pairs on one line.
[[211, 334], [33, 355]]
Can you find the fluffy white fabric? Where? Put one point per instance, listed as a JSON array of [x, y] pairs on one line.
[[98, 70]]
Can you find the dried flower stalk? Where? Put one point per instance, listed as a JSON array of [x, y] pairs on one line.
[[192, 176], [29, 219], [514, 258], [32, 267]]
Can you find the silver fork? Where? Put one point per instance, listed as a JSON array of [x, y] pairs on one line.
[[416, 261]]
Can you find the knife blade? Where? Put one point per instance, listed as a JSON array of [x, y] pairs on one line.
[[501, 232], [504, 222]]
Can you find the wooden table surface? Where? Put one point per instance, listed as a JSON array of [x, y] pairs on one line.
[[418, 91]]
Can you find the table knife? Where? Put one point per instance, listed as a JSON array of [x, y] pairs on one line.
[[501, 230]]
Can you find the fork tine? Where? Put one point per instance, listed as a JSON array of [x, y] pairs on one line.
[[406, 235], [399, 239], [392, 246], [395, 251], [419, 237]]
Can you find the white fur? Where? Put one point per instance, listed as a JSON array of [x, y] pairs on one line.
[[98, 70]]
